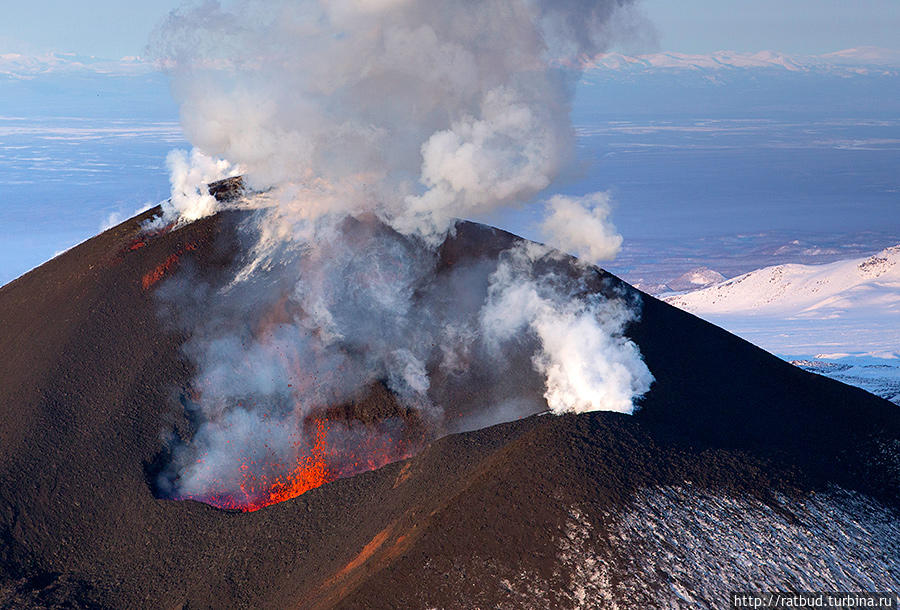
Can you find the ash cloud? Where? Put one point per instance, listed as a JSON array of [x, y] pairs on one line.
[[418, 111], [366, 129]]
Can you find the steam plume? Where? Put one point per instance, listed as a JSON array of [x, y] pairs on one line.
[[582, 226], [587, 362], [371, 127], [189, 176], [420, 111]]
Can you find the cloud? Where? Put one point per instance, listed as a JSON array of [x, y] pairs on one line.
[[418, 111]]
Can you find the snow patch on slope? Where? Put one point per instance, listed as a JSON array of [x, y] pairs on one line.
[[704, 544]]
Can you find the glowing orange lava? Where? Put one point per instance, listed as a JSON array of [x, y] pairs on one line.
[[324, 461], [164, 268], [259, 491]]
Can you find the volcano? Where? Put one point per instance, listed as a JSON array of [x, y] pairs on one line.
[[737, 472]]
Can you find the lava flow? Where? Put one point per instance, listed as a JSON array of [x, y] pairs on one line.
[[259, 490], [345, 453], [163, 269]]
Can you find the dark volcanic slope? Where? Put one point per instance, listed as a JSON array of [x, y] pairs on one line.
[[739, 471]]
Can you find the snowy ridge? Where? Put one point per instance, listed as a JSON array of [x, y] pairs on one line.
[[876, 373], [805, 291], [699, 277], [841, 319]]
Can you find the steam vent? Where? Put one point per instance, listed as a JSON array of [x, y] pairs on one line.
[[133, 474]]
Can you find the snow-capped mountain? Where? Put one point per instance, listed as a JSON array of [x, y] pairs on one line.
[[695, 279], [840, 319], [823, 292]]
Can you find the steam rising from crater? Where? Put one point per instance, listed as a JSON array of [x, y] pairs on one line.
[[368, 128], [421, 111]]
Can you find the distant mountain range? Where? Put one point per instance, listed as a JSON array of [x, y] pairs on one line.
[[850, 83], [853, 82], [862, 60], [26, 67]]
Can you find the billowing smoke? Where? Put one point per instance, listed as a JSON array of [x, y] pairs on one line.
[[367, 128], [582, 226], [588, 363], [421, 111], [189, 175]]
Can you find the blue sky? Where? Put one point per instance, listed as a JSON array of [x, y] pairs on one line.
[[789, 26], [103, 28], [816, 152], [112, 29]]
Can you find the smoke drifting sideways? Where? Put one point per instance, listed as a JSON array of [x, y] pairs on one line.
[[366, 129]]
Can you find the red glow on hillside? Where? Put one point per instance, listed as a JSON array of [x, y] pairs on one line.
[[259, 491], [163, 269], [332, 455]]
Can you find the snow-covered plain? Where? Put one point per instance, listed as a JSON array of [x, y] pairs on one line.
[[840, 319], [878, 374]]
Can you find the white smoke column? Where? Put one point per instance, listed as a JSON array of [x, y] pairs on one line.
[[189, 176], [588, 363], [581, 226], [420, 111]]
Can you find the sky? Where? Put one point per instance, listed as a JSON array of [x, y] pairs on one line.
[[102, 28], [114, 29], [835, 168], [794, 26]]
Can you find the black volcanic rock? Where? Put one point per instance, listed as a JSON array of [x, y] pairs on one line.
[[739, 471]]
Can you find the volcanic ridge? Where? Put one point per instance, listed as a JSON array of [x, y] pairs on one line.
[[738, 471]]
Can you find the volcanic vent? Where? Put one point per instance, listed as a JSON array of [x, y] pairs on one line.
[[366, 130], [360, 346], [329, 444]]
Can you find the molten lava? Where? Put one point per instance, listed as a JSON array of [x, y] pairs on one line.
[[163, 269], [259, 491], [345, 453]]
